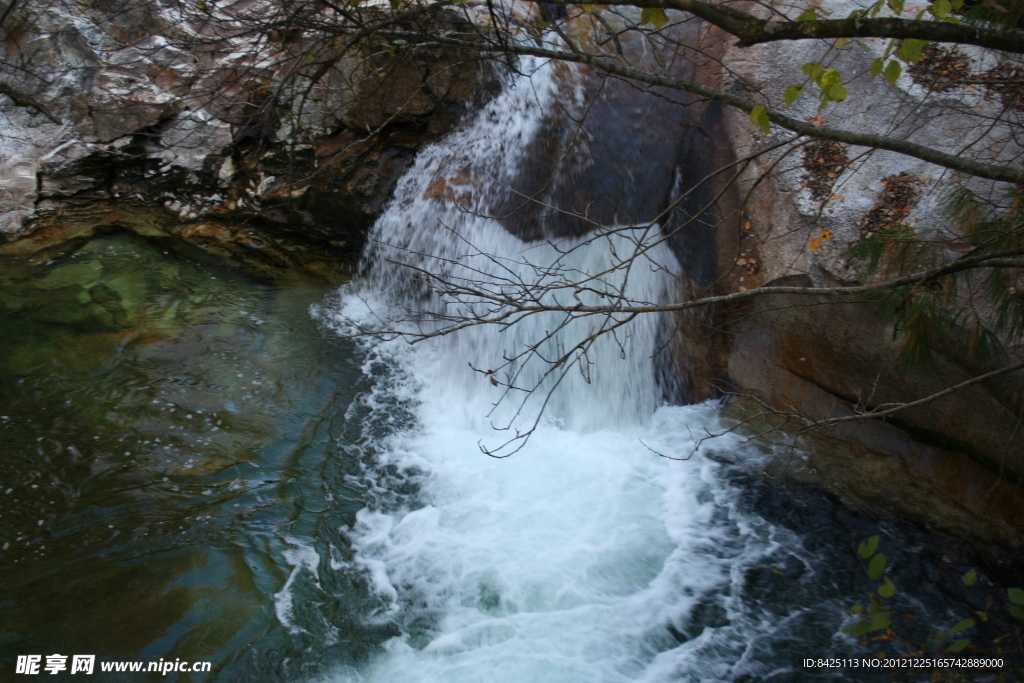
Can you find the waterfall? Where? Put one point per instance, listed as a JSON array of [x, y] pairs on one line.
[[585, 556]]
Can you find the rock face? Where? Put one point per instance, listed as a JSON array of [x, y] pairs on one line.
[[126, 107], [802, 210]]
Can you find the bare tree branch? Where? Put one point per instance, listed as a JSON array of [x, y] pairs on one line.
[[752, 31], [953, 162]]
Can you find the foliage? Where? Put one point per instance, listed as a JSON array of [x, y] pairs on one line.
[[882, 624], [944, 310]]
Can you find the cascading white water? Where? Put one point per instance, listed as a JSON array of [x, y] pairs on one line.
[[585, 555]]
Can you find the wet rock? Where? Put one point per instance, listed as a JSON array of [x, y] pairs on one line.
[[10, 303], [101, 315], [81, 274], [62, 312], [102, 294], [131, 290], [954, 464], [827, 358], [171, 129], [414, 84]]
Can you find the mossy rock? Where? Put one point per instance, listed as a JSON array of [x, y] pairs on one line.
[[170, 271], [10, 303], [62, 312], [101, 315], [102, 294], [132, 290], [80, 274]]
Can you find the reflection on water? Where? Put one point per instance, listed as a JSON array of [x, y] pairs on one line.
[[155, 416]]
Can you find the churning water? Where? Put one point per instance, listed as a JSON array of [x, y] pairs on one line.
[[585, 555]]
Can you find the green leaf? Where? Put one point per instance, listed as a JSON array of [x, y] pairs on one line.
[[1017, 611], [807, 15], [858, 629], [962, 625], [792, 93], [829, 77], [887, 589], [911, 49], [877, 566], [957, 4], [587, 8], [941, 8], [812, 69], [876, 8], [841, 43], [957, 646], [310, 56], [1016, 595], [395, 4], [876, 67], [837, 93], [856, 609], [970, 578], [879, 621], [653, 15], [759, 115], [897, 6], [868, 547], [892, 71]]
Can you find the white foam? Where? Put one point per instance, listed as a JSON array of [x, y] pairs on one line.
[[301, 557], [577, 557]]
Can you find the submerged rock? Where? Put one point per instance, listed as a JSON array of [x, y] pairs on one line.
[[81, 274]]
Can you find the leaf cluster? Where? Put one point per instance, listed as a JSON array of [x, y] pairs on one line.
[[975, 310], [889, 65], [878, 617]]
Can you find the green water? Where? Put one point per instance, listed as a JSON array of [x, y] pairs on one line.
[[157, 415], [183, 454]]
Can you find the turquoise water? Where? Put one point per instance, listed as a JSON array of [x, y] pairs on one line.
[[156, 416]]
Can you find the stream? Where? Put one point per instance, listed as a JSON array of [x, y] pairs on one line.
[[198, 466]]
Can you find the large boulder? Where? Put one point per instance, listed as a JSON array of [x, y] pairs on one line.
[[145, 104]]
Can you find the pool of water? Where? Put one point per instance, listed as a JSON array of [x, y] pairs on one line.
[[158, 419], [193, 466]]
